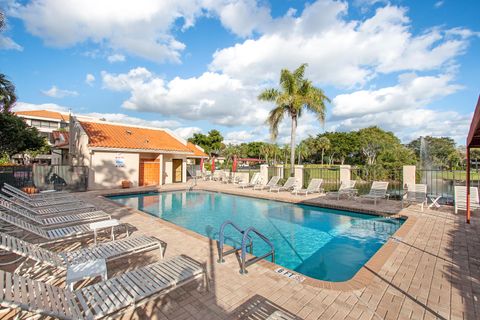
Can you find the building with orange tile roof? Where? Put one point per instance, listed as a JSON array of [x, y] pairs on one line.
[[116, 152]]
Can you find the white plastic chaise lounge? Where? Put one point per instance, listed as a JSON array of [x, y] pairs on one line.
[[287, 186], [45, 202], [314, 186], [109, 251], [39, 196], [252, 183], [377, 191], [52, 234], [461, 198], [57, 219], [51, 210], [416, 194], [273, 182], [101, 299], [346, 188]]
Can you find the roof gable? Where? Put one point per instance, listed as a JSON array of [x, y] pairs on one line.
[[53, 115]]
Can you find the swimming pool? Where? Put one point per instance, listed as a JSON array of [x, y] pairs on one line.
[[321, 243]]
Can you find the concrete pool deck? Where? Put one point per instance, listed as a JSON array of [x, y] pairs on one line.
[[430, 270]]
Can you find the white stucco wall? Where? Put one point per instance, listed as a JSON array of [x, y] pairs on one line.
[[168, 167], [105, 173]]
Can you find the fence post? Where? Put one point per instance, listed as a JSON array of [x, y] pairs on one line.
[[409, 175], [279, 169], [345, 172], [299, 175], [264, 173]]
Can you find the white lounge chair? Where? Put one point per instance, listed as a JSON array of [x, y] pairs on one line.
[[51, 210], [273, 182], [110, 250], [102, 299], [416, 194], [57, 219], [314, 186], [50, 233], [461, 198], [377, 191], [253, 181], [288, 185], [44, 202], [42, 195], [346, 188]]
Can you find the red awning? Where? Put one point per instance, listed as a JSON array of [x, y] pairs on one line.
[[473, 138]]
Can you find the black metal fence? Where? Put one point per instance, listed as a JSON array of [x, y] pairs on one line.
[[441, 182], [73, 178], [330, 176]]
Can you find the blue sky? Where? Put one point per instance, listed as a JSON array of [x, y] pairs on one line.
[[408, 66]]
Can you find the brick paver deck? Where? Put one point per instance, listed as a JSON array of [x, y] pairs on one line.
[[430, 270]]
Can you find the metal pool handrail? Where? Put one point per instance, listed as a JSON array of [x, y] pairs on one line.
[[221, 240], [244, 263]]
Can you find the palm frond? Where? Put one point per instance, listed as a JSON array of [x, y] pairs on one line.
[[287, 82], [268, 95], [274, 118], [299, 73]]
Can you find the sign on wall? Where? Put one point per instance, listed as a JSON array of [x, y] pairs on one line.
[[119, 160]]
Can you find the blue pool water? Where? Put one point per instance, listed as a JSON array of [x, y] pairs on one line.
[[321, 243]]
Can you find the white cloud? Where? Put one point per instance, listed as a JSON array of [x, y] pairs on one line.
[[116, 58], [339, 51], [411, 92], [7, 43], [56, 92], [142, 27], [438, 4], [89, 79], [213, 96], [25, 106], [123, 118]]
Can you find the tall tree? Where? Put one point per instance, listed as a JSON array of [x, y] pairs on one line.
[[212, 142], [17, 137], [295, 95], [323, 143]]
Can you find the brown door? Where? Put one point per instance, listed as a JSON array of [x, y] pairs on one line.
[[149, 173], [177, 170]]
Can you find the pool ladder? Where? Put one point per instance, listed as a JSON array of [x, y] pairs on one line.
[[246, 243]]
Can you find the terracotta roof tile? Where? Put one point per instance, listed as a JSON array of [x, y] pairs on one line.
[[196, 151], [61, 138], [105, 135], [44, 114]]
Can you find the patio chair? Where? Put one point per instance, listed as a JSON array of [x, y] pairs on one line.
[[314, 186], [101, 299], [461, 198], [273, 182], [55, 220], [253, 181], [43, 202], [288, 185], [49, 194], [416, 194], [51, 210], [377, 191], [346, 188], [110, 251], [50, 233]]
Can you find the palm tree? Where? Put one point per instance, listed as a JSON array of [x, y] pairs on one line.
[[323, 143], [296, 94], [7, 93]]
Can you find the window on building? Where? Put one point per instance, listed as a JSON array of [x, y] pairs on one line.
[[44, 124]]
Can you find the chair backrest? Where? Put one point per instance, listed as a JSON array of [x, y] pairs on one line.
[[273, 181], [461, 196], [23, 225], [255, 177], [347, 184], [417, 192], [379, 188], [38, 297], [290, 183], [315, 185], [17, 191], [5, 203], [26, 249], [16, 195]]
